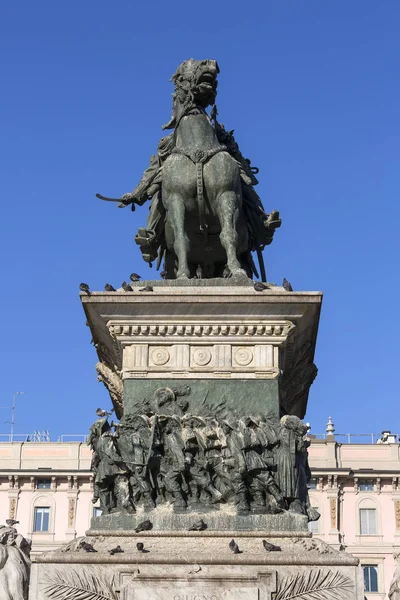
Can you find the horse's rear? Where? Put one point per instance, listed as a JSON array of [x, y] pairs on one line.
[[209, 234]]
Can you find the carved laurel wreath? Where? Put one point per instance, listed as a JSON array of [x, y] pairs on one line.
[[316, 584], [84, 585]]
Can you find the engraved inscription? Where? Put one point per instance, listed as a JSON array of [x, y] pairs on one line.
[[185, 593]]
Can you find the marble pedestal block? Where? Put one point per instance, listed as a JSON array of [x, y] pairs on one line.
[[198, 566], [224, 341]]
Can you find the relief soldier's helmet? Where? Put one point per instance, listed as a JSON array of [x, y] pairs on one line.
[[291, 422], [164, 395], [229, 423], [141, 421], [189, 419]]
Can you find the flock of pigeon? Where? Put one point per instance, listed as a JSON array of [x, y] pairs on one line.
[[147, 525], [198, 526], [134, 277]]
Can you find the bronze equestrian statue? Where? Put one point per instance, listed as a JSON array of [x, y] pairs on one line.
[[205, 217]]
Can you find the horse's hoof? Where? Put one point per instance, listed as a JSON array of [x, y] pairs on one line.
[[182, 276]]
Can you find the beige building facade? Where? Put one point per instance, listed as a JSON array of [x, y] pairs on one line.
[[48, 488]]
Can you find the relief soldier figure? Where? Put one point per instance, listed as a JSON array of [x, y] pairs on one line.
[[173, 462], [111, 474], [195, 462], [293, 472]]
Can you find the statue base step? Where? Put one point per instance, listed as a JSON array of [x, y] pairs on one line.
[[224, 519], [197, 565]]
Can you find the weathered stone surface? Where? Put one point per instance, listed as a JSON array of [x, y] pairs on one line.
[[224, 519], [225, 333], [176, 567]]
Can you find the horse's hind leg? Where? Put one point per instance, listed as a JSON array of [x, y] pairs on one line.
[[176, 218], [228, 212]]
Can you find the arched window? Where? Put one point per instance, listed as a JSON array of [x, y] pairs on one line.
[[43, 514], [368, 517]]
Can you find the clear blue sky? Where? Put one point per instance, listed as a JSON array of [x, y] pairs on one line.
[[312, 90]]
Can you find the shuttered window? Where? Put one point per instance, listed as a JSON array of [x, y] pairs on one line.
[[367, 521]]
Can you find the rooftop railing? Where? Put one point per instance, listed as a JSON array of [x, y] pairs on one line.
[[341, 438], [42, 437], [356, 438]]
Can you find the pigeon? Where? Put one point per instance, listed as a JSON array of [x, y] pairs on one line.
[[144, 526], [260, 287], [134, 277], [140, 546], [287, 285], [100, 412], [199, 272], [84, 288], [11, 522], [233, 547], [270, 547], [109, 288], [163, 274], [148, 288], [115, 550], [126, 287], [198, 526], [87, 547]]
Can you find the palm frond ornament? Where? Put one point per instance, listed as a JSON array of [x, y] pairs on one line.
[[316, 584], [82, 585]]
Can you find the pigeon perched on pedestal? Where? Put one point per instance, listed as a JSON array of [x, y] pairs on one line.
[[109, 288], [134, 277], [126, 287], [100, 412], [144, 526], [233, 547], [115, 550], [148, 288], [198, 526], [287, 285], [270, 547], [86, 547], [260, 287], [84, 288]]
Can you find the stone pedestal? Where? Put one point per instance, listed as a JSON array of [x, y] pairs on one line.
[[200, 565], [228, 343], [213, 348]]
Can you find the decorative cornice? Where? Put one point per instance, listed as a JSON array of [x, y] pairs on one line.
[[279, 329]]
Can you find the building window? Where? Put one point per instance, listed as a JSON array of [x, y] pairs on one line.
[[370, 578], [366, 485], [97, 511], [367, 521], [312, 484], [41, 521], [44, 484]]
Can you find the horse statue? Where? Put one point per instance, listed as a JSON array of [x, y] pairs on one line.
[[205, 217]]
